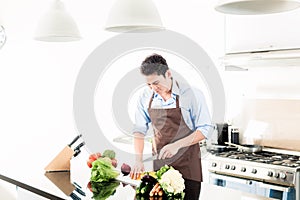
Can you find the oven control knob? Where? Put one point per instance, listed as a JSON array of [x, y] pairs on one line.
[[276, 175], [243, 169], [270, 173], [254, 171], [214, 164], [227, 166], [282, 175], [232, 167]]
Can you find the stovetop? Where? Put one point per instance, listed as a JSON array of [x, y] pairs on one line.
[[266, 166], [263, 157]]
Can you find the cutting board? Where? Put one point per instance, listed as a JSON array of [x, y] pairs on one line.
[[128, 180]]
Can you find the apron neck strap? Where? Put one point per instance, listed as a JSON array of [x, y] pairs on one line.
[[177, 101], [151, 99]]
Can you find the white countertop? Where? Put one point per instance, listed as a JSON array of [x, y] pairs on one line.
[[31, 171]]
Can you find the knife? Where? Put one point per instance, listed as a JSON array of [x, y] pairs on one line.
[[155, 157], [76, 153], [79, 146], [74, 196], [74, 140], [77, 149]]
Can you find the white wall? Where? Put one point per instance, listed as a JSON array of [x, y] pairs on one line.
[[263, 101], [37, 78], [268, 95]]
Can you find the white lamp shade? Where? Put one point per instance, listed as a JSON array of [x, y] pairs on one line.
[[131, 15], [57, 25], [256, 7], [2, 36]]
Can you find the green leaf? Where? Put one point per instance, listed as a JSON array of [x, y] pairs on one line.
[[103, 190], [109, 153], [102, 170]]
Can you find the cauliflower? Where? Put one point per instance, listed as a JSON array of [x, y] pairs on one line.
[[172, 181]]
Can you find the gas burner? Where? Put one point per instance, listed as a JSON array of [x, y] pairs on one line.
[[263, 157], [290, 164], [278, 157], [277, 162], [272, 168], [264, 160], [238, 156], [233, 156], [294, 158]]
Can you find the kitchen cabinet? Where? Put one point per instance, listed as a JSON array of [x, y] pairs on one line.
[[248, 33]]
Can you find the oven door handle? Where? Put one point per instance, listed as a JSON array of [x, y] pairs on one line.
[[231, 179], [274, 187]]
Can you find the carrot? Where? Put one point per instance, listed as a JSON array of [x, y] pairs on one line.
[[160, 193], [153, 191], [131, 175], [157, 189]]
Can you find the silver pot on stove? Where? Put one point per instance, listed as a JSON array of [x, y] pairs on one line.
[[247, 148]]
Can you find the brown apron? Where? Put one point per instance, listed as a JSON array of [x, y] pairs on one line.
[[169, 126]]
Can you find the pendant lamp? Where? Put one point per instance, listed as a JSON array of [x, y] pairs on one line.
[[2, 36], [256, 7], [133, 15], [2, 32], [57, 25]]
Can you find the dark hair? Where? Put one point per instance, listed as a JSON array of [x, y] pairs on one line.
[[154, 64]]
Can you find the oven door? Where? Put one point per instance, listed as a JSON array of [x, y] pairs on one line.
[[253, 187]]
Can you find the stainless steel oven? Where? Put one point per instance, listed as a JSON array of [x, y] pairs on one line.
[[266, 174], [254, 187]]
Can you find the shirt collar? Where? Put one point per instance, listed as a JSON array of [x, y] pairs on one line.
[[175, 88]]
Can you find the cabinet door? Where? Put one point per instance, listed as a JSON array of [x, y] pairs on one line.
[[262, 32]]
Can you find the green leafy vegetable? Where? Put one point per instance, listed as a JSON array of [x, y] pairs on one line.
[[162, 170], [102, 170], [103, 190], [109, 153]]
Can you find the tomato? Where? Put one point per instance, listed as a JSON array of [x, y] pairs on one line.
[[89, 162], [95, 156], [92, 158], [89, 185]]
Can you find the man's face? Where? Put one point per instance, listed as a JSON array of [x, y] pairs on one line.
[[160, 84]]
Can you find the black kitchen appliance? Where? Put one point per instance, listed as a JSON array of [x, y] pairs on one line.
[[222, 129]]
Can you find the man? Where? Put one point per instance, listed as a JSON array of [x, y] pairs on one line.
[[180, 119]]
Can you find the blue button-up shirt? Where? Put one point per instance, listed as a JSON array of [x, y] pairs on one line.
[[191, 101]]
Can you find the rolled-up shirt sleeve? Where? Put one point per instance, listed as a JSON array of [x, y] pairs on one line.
[[200, 114], [142, 118]]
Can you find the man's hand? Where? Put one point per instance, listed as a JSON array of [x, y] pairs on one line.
[[168, 151], [137, 169]]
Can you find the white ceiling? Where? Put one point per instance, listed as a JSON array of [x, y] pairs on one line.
[[196, 19], [20, 17]]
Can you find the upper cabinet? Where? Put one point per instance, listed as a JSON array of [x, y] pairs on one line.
[[250, 33]]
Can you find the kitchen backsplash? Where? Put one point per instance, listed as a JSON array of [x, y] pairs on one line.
[[265, 104], [270, 122]]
